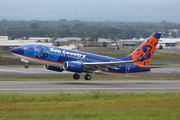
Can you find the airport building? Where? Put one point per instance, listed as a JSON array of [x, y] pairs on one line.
[[164, 42], [8, 44], [69, 41], [40, 39], [77, 41], [3, 38]]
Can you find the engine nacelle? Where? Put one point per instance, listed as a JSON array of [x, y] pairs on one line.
[[73, 67], [57, 69]]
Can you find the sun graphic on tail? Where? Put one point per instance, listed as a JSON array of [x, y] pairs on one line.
[[147, 49]]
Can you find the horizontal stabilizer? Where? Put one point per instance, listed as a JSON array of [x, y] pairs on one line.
[[150, 67]]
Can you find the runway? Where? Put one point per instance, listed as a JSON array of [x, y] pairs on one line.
[[140, 86], [43, 71], [88, 86]]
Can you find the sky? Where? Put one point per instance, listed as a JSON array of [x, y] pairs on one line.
[[92, 10]]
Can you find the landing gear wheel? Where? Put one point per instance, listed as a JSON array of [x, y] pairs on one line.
[[26, 66], [76, 76], [87, 77]]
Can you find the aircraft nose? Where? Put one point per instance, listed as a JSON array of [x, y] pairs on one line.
[[14, 50], [17, 50]]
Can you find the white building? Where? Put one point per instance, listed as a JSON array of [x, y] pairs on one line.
[[103, 40], [168, 42], [67, 39], [4, 42], [40, 39], [3, 38], [16, 43]]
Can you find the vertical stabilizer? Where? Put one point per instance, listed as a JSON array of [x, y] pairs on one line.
[[147, 49]]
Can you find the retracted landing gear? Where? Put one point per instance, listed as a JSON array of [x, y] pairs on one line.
[[26, 66], [76, 76], [87, 77]]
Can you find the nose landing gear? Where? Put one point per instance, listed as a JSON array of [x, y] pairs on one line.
[[26, 66]]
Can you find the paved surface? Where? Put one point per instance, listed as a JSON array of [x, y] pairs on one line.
[[41, 71], [31, 71], [87, 86]]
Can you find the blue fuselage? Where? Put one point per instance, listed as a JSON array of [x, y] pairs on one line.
[[53, 56]]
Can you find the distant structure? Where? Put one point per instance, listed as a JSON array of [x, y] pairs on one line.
[[6, 44], [164, 42], [69, 41], [85, 42], [168, 42], [3, 38], [40, 39], [132, 43]]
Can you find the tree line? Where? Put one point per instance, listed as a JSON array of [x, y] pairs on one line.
[[124, 31], [148, 25]]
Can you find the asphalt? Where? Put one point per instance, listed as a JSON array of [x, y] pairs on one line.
[[87, 86], [139, 86], [43, 71]]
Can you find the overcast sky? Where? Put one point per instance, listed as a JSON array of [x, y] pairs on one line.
[[91, 10]]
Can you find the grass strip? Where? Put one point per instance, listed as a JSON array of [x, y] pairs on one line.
[[93, 105]]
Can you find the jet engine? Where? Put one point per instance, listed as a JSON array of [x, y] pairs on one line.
[[57, 69], [73, 67]]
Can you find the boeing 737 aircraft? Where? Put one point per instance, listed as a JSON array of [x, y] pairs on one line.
[[58, 59]]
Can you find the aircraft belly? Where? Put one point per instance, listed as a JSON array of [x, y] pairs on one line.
[[35, 60], [124, 69]]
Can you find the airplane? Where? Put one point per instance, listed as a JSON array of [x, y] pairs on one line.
[[77, 49], [59, 59]]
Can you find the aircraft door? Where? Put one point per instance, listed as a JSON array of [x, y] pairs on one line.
[[36, 51], [127, 68]]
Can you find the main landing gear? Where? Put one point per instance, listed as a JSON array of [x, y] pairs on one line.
[[26, 66], [76, 76], [86, 77]]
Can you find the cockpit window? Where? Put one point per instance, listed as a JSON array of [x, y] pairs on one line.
[[23, 47]]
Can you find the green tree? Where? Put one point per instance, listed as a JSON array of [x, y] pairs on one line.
[[58, 43], [137, 36], [84, 34], [174, 35], [120, 36], [56, 35], [34, 26], [46, 35], [94, 37], [166, 34], [46, 40], [75, 35], [104, 44], [146, 34]]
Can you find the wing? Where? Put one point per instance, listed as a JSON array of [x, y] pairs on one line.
[[104, 65]]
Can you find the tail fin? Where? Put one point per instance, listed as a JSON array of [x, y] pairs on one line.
[[77, 49], [147, 49]]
